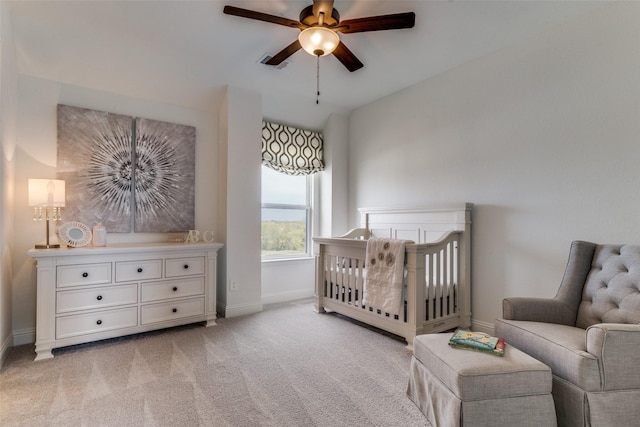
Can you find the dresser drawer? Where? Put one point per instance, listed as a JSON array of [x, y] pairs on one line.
[[175, 267], [87, 299], [85, 274], [99, 321], [157, 291], [164, 311], [127, 271]]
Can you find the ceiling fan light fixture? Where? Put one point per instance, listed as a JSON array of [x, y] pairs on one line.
[[318, 41]]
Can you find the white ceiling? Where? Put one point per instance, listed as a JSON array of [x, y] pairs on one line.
[[185, 52]]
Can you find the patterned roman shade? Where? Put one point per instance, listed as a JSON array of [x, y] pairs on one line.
[[291, 150]]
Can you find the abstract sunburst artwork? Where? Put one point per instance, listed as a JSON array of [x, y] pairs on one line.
[[108, 180], [164, 176], [94, 158]]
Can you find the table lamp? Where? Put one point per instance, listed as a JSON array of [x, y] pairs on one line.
[[46, 195]]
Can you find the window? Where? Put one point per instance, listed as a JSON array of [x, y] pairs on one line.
[[286, 214], [289, 157]]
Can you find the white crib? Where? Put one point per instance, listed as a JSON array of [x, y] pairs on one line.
[[437, 281]]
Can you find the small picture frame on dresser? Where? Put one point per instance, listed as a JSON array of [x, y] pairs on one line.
[[177, 237]]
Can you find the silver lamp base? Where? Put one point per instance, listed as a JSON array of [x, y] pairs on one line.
[[54, 246]]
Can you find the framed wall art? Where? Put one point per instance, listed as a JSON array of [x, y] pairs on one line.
[[126, 173]]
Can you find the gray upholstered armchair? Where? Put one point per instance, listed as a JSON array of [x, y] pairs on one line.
[[588, 334]]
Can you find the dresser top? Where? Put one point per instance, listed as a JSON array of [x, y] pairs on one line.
[[123, 248]]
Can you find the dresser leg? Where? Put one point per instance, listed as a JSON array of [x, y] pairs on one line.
[[42, 354]]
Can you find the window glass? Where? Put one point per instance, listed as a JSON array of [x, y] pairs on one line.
[[285, 215], [279, 188]]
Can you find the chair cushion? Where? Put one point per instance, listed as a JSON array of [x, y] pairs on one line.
[[472, 375], [561, 347], [611, 292]]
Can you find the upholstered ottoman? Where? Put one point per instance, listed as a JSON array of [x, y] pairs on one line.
[[457, 387]]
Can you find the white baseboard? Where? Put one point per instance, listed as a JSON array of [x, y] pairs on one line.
[[14, 339], [479, 326], [238, 310], [286, 296], [5, 347], [24, 336]]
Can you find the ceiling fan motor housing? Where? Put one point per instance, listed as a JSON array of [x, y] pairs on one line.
[[308, 18]]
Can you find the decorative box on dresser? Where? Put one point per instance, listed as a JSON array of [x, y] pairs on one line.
[[94, 293]]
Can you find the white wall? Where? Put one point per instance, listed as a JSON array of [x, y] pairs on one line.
[[240, 156], [8, 104], [333, 183], [36, 158], [542, 137], [287, 280]]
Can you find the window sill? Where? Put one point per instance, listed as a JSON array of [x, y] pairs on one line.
[[292, 259]]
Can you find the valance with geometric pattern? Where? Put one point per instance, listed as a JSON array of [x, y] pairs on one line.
[[291, 150]]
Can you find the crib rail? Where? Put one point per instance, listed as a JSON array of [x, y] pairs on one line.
[[433, 290]]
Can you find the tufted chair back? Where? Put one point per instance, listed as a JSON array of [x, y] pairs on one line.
[[611, 292]]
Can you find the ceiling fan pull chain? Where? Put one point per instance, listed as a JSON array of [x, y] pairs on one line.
[[318, 79]]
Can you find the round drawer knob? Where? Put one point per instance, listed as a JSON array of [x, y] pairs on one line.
[[175, 310], [186, 266], [99, 297], [85, 274], [139, 269], [99, 322], [175, 289]]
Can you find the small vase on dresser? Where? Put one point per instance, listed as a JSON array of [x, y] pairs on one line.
[[94, 293], [99, 233]]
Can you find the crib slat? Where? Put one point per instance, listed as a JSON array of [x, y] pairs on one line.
[[359, 282], [450, 281], [432, 287], [326, 275], [439, 285], [339, 279], [334, 277], [447, 292], [349, 280]]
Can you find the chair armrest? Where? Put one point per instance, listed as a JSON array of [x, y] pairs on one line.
[[548, 310], [616, 347]]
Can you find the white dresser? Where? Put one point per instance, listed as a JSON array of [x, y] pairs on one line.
[[93, 293]]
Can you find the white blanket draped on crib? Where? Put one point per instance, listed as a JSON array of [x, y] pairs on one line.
[[383, 275]]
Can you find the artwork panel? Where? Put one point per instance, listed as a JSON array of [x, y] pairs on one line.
[[164, 177], [94, 159]]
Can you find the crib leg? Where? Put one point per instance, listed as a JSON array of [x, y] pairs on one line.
[[318, 307], [409, 338]]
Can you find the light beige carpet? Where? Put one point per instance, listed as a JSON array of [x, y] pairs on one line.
[[285, 366]]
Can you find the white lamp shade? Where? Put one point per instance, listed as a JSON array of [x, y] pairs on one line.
[[318, 41], [46, 192]]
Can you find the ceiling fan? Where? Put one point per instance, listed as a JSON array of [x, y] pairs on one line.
[[319, 26]]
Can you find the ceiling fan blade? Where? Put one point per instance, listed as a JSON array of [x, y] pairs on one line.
[[251, 14], [324, 6], [347, 58], [284, 53], [377, 23]]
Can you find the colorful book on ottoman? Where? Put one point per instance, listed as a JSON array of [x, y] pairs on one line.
[[477, 341]]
